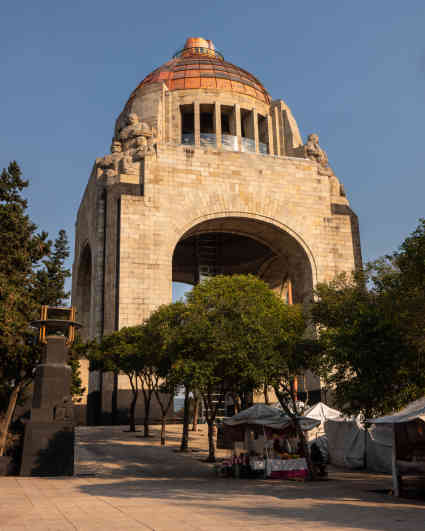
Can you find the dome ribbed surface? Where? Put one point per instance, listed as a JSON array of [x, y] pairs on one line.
[[197, 70]]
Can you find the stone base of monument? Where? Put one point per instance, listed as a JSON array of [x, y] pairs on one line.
[[49, 434], [6, 465], [49, 449]]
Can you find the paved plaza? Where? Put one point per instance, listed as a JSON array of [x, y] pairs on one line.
[[128, 482]]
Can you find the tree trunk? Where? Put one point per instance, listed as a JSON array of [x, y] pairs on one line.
[[9, 416], [211, 442], [133, 412], [147, 402], [186, 419], [304, 446], [163, 430], [164, 411], [196, 404], [114, 400], [237, 402], [266, 394], [293, 415]]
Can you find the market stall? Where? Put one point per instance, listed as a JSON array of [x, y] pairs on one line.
[[265, 444], [408, 448]]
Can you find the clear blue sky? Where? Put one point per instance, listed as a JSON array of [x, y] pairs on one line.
[[352, 71]]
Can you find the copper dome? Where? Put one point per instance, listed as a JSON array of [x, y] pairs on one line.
[[199, 65]]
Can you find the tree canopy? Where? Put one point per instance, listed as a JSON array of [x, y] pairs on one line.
[[372, 331], [233, 330], [30, 275]]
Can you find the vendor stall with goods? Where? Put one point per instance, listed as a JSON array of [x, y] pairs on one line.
[[407, 428], [265, 444]]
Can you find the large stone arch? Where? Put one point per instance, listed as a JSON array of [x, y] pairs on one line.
[[289, 258]]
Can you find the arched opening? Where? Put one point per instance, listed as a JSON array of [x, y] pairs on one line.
[[242, 245], [84, 282], [235, 245]]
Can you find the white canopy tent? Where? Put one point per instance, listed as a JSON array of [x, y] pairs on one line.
[[415, 410], [270, 417], [322, 412], [408, 440]]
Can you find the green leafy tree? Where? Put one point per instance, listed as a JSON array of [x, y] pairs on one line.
[[21, 249], [161, 344], [372, 331], [294, 356], [232, 328], [119, 352], [50, 279], [49, 289]]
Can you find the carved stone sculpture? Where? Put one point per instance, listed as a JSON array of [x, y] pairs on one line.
[[140, 148], [134, 128], [313, 151], [127, 165], [109, 164]]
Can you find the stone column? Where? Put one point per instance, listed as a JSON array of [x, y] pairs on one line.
[[277, 131], [270, 134], [255, 124], [179, 126], [217, 120], [238, 125], [197, 124]]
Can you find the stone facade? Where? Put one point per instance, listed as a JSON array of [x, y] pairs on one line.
[[156, 190]]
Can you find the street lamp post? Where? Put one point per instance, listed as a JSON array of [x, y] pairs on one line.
[[49, 434]]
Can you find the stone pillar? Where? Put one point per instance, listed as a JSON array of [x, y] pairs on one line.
[[217, 124], [255, 124], [277, 131], [270, 134], [179, 126], [238, 125], [197, 124], [49, 434]]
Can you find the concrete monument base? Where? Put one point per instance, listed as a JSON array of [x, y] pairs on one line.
[[48, 449], [49, 435]]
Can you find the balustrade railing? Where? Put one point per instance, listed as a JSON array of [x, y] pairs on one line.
[[228, 142]]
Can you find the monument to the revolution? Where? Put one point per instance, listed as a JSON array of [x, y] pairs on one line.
[[207, 174]]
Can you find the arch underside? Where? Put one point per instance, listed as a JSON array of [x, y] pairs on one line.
[[242, 245]]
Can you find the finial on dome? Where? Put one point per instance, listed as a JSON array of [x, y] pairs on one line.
[[199, 42], [199, 46]]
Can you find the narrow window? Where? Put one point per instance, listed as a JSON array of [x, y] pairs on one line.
[[263, 134], [207, 130], [247, 130], [229, 140], [188, 124]]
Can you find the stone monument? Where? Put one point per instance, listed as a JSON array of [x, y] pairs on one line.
[[208, 175], [49, 434]]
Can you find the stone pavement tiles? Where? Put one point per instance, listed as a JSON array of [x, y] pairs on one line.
[[139, 485]]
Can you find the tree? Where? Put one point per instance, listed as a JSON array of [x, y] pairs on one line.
[[50, 280], [293, 356], [231, 326], [372, 332], [120, 352], [401, 276], [22, 248], [161, 343], [49, 289]]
